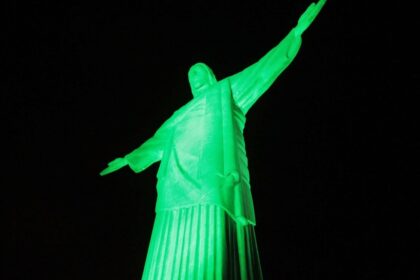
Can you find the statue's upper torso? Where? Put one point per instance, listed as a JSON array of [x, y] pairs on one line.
[[206, 145]]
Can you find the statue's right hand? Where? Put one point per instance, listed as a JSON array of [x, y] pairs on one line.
[[308, 17], [114, 166]]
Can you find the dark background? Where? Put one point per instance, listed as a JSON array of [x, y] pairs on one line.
[[328, 144]]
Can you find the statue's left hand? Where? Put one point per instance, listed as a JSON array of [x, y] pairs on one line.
[[114, 166], [308, 17], [230, 180]]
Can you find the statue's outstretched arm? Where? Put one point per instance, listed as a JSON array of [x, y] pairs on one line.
[[152, 150], [148, 153], [141, 158], [249, 84]]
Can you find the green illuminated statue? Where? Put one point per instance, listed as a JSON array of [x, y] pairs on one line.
[[204, 226]]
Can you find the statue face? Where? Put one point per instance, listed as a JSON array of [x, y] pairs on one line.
[[200, 77]]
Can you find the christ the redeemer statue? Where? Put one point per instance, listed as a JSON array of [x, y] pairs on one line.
[[204, 226]]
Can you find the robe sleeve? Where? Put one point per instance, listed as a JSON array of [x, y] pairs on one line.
[[249, 84], [148, 153], [153, 149]]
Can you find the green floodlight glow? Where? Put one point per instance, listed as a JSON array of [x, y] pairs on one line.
[[204, 226]]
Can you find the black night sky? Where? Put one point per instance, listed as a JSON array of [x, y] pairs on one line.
[[327, 145]]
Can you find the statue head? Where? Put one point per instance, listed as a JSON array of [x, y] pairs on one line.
[[200, 77]]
